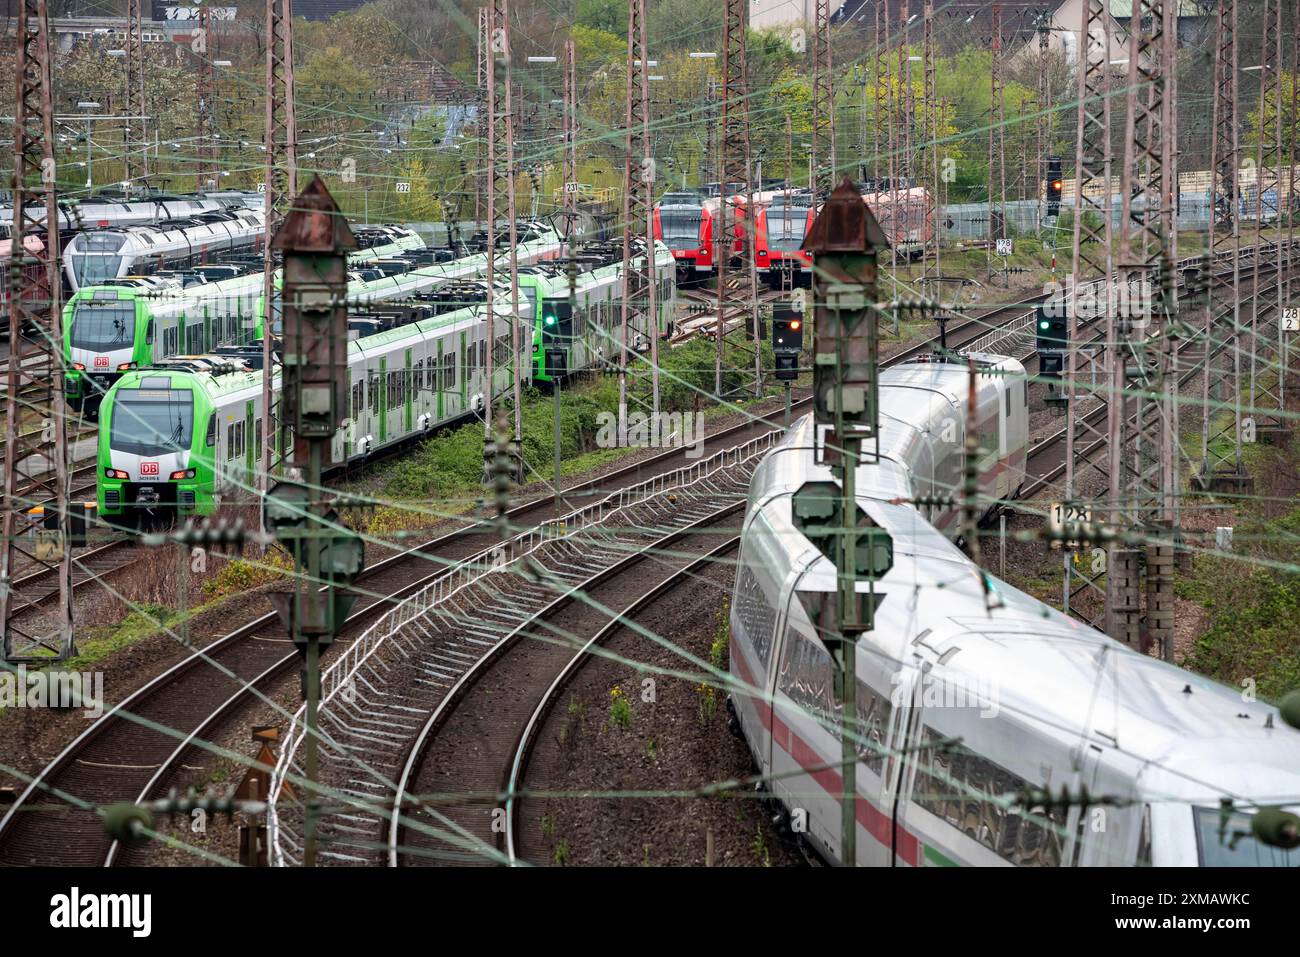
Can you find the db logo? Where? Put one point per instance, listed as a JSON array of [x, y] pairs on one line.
[[148, 468], [101, 362]]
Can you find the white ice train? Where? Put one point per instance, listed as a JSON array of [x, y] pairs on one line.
[[960, 705], [98, 255]]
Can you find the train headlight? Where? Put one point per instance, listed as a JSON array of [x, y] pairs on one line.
[[182, 474], [79, 366], [116, 474], [123, 367]]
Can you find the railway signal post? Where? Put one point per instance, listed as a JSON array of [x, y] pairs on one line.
[[845, 240], [314, 239], [787, 344]]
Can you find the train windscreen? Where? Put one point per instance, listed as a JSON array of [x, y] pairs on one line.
[[680, 227], [101, 326], [93, 257], [785, 228], [152, 421]]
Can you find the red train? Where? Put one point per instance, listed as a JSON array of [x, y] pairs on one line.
[[778, 239], [686, 223]]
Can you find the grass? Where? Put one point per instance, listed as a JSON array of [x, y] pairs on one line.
[[1252, 599]]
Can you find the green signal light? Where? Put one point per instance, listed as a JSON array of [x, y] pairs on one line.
[[1044, 325]]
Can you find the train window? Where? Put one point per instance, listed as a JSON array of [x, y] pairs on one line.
[[417, 377], [449, 372], [874, 713], [756, 615], [148, 333], [1026, 384], [257, 435], [211, 438], [374, 392], [1008, 393], [357, 399], [968, 791], [806, 676]]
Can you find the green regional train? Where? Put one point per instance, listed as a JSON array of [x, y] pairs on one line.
[[176, 438], [111, 329], [129, 323]]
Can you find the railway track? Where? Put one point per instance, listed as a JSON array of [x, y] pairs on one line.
[[1046, 459], [514, 616], [515, 791], [451, 756]]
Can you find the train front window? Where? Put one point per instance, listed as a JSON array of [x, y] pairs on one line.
[[681, 227], [1233, 845], [95, 257], [101, 326], [785, 233], [93, 268], [152, 421]]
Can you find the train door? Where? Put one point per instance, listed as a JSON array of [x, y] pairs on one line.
[[355, 400], [463, 375], [439, 385], [1103, 835], [384, 393], [408, 397], [252, 452], [893, 843]]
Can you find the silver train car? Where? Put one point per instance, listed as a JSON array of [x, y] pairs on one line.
[[968, 696], [98, 255]]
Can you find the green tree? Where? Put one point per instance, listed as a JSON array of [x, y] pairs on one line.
[[607, 15]]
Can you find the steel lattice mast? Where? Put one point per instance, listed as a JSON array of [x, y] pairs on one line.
[[1141, 449], [281, 185], [906, 156], [482, 122], [570, 140], [501, 200], [36, 459], [638, 311], [205, 90], [1086, 366], [1267, 343], [934, 238], [1222, 466], [881, 75], [997, 137], [733, 143], [823, 98], [136, 159], [1044, 99]]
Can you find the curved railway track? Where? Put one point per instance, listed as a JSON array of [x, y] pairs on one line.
[[515, 788], [432, 659], [455, 754]]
